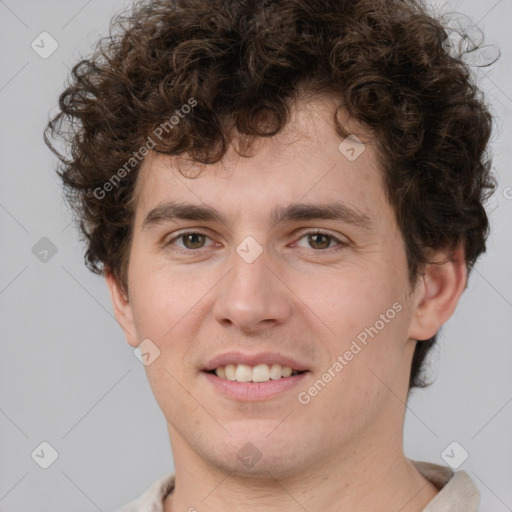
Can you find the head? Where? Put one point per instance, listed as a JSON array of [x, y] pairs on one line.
[[241, 107]]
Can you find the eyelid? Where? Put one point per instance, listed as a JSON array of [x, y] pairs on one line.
[[181, 234], [325, 232], [311, 231]]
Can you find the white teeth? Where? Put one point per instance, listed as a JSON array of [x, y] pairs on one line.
[[286, 371], [258, 373], [243, 373], [230, 370], [275, 371]]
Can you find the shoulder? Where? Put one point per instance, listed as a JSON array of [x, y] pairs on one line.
[[457, 491], [152, 499]]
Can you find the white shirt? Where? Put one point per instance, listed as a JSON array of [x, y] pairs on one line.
[[457, 492]]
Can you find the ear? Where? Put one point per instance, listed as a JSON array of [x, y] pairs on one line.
[[437, 295], [122, 309]]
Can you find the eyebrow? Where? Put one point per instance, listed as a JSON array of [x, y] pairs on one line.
[[331, 211], [293, 212], [186, 211]]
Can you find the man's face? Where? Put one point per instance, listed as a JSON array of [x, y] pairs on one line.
[[246, 286]]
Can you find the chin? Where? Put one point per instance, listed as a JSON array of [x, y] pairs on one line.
[[258, 455]]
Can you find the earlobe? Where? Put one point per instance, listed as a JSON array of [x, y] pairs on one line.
[[122, 309], [437, 298]]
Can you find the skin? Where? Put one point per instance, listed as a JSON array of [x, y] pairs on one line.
[[300, 297]]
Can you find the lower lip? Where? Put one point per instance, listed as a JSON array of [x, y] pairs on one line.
[[254, 391]]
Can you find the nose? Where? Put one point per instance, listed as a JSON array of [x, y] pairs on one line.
[[252, 296]]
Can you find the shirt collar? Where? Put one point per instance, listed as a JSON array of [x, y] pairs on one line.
[[457, 492]]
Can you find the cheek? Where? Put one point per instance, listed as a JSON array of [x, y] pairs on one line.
[[349, 301], [367, 322], [161, 297]]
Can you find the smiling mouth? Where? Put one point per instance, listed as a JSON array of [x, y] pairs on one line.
[[258, 373]]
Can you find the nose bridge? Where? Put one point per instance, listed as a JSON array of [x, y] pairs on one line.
[[251, 295]]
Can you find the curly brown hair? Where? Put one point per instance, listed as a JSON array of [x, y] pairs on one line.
[[242, 62]]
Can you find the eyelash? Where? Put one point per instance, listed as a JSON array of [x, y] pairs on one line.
[[327, 234], [190, 252]]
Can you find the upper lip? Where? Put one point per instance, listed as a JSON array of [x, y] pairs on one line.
[[253, 360]]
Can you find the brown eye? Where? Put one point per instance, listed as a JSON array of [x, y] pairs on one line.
[[321, 241], [316, 239], [190, 240]]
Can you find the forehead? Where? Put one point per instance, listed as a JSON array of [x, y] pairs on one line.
[[304, 162]]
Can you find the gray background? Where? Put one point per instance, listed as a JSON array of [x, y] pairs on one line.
[[68, 377]]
